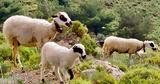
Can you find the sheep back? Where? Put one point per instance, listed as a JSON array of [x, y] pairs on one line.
[[26, 30], [122, 45], [57, 55]]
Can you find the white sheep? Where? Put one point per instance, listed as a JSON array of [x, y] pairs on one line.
[[123, 45], [61, 57], [22, 30]]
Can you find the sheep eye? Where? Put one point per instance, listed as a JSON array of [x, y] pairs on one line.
[[151, 44], [63, 18], [76, 49]]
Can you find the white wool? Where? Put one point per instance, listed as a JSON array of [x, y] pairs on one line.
[[121, 45], [22, 30], [59, 56]]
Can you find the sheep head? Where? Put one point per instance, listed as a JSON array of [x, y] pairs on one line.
[[61, 18], [79, 49], [150, 44]]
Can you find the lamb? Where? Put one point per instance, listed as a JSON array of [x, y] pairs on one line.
[[123, 45], [61, 57], [31, 32]]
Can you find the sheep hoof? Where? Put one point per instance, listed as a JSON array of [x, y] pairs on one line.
[[43, 81], [53, 73], [22, 69], [61, 82]]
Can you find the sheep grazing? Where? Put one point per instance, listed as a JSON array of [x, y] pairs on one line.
[[123, 45], [22, 30], [61, 57]]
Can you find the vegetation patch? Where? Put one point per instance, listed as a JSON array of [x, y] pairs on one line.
[[141, 76]]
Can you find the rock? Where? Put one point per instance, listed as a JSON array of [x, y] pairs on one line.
[[112, 69], [109, 68], [89, 72]]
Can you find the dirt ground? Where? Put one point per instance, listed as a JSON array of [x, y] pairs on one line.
[[33, 77]]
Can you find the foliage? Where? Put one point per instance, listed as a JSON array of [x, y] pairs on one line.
[[79, 28], [90, 44], [9, 8], [141, 75], [30, 57], [5, 52], [153, 60], [5, 66], [80, 81], [123, 67], [83, 66], [133, 24], [101, 77]]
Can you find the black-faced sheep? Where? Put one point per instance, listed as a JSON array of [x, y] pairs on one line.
[[60, 57], [123, 45], [22, 30]]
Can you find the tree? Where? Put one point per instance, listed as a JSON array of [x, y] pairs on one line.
[[9, 8]]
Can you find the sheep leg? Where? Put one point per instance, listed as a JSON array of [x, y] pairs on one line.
[[130, 59], [58, 74], [71, 74], [39, 44], [140, 57], [14, 56], [64, 73], [42, 72], [19, 61]]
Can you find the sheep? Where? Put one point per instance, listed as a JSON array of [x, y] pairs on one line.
[[61, 57], [123, 45], [32, 32]]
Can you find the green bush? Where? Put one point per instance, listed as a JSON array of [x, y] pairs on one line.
[[83, 66], [101, 77], [80, 81], [141, 76], [79, 28], [123, 67], [153, 60], [5, 52], [1, 38], [5, 67], [30, 57], [90, 44]]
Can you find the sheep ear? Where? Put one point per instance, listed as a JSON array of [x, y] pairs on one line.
[[54, 16]]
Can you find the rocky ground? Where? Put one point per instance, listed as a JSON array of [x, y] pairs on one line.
[[33, 77]]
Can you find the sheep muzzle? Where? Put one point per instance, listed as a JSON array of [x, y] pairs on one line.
[[68, 24], [83, 57], [154, 49], [58, 28]]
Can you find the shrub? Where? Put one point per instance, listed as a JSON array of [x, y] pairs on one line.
[[79, 28], [80, 81], [83, 66], [1, 38], [5, 52], [30, 57], [101, 77], [90, 44], [5, 67], [123, 67], [153, 60], [141, 76]]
